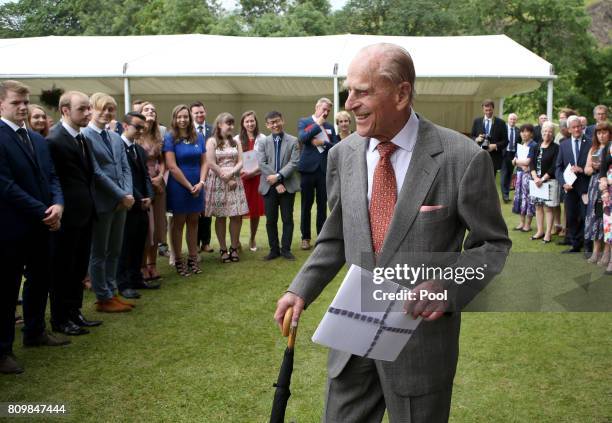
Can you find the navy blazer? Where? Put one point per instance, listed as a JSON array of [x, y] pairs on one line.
[[28, 185], [590, 131], [566, 156], [207, 130], [311, 158]]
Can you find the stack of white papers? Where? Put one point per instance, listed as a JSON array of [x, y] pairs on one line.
[[249, 161], [522, 151], [568, 176], [380, 335], [542, 192]]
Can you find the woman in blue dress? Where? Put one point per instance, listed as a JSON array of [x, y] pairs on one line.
[[185, 156]]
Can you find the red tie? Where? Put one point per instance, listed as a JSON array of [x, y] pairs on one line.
[[384, 195]]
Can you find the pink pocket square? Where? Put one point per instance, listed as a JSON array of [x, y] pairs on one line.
[[430, 208]]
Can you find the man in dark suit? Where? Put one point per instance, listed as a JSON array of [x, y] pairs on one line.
[[316, 137], [574, 151], [537, 130], [129, 276], [31, 208], [514, 137], [600, 113], [74, 164], [490, 133], [278, 157], [198, 113]]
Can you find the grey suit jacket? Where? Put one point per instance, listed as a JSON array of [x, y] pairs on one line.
[[290, 157], [446, 169], [116, 181]]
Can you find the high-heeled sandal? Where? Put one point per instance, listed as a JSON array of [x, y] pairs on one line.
[[225, 258], [233, 252], [152, 270], [181, 267], [193, 266]]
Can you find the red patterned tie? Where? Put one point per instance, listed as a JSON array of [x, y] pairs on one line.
[[384, 195]]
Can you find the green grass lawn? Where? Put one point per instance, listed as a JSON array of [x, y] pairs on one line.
[[205, 349]]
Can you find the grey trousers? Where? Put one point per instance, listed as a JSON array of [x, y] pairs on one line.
[[360, 395], [106, 243]]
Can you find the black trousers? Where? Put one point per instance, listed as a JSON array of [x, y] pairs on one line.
[[273, 201], [204, 224], [29, 256], [71, 251], [575, 211], [134, 238], [313, 186], [506, 173]]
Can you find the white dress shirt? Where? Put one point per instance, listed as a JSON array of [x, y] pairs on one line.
[[95, 128], [400, 160], [13, 126], [70, 129]]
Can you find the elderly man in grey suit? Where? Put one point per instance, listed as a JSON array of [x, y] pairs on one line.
[[113, 197], [278, 157], [401, 187]]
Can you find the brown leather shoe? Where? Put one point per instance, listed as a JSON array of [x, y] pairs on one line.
[[111, 306], [9, 365], [305, 244], [123, 301]]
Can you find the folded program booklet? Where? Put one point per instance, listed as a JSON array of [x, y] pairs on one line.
[[378, 331]]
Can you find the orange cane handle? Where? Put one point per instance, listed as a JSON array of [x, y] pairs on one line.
[[287, 322], [288, 330]]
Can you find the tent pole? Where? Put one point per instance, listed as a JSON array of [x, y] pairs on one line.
[[549, 100], [127, 102], [336, 96], [501, 108]]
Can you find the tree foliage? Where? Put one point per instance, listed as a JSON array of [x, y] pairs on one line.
[[556, 31]]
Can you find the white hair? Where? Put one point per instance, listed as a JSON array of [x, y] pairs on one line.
[[571, 119]]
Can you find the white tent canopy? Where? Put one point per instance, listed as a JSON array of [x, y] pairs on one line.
[[247, 71]]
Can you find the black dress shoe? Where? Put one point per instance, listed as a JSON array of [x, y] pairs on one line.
[[45, 340], [271, 256], [571, 250], [146, 285], [81, 321], [69, 328], [9, 364], [287, 255], [129, 293]]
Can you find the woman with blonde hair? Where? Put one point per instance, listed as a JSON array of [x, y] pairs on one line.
[[343, 120], [224, 190], [38, 120], [185, 158], [542, 168]]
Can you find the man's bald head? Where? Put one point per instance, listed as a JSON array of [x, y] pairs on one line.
[[391, 62], [75, 109], [380, 83]]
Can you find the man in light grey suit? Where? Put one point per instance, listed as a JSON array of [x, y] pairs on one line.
[[113, 197], [400, 189], [278, 157]]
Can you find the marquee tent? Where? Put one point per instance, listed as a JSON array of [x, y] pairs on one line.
[[233, 74]]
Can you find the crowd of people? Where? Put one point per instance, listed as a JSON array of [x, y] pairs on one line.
[[536, 163], [102, 198]]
